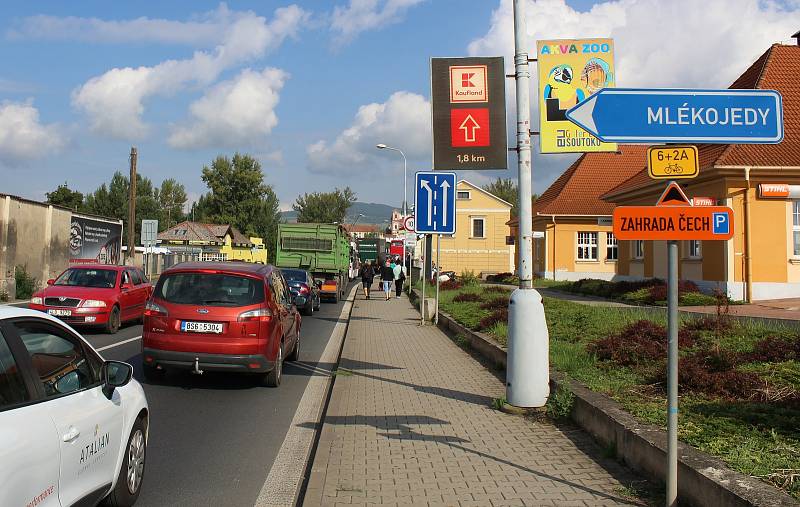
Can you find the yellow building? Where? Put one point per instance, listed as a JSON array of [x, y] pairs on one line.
[[761, 183], [213, 242], [572, 225], [479, 244]]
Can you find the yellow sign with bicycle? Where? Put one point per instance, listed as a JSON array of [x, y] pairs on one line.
[[672, 162]]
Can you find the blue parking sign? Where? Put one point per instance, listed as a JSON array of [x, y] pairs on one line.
[[721, 223]]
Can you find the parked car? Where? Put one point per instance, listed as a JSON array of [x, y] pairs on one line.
[[304, 289], [95, 295], [229, 316], [73, 427]]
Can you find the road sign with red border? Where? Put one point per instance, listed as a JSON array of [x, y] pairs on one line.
[[408, 224]]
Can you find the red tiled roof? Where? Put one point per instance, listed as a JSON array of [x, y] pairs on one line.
[[209, 233], [578, 190], [776, 69]]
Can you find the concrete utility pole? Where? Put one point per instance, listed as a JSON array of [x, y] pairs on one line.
[[132, 206], [527, 374]]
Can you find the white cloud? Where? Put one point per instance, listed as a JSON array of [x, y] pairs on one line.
[[114, 101], [23, 137], [235, 113], [403, 121], [363, 15], [202, 30], [657, 44]]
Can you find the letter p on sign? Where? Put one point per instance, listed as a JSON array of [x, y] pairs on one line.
[[721, 223]]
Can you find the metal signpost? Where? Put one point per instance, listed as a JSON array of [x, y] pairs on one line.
[[434, 213], [468, 98], [633, 115], [149, 239]]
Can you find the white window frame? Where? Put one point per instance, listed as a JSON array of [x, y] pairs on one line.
[[472, 227], [612, 245], [795, 227], [587, 243], [694, 249], [635, 254], [467, 198]]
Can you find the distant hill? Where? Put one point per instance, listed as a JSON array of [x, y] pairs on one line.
[[374, 213]]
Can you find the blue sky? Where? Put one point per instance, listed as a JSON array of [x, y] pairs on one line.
[[308, 87]]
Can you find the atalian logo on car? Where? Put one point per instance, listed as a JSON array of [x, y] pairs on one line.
[[202, 310]]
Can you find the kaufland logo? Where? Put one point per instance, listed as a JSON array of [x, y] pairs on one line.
[[468, 83]]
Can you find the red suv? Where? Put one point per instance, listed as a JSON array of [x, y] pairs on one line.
[[95, 294], [230, 316]]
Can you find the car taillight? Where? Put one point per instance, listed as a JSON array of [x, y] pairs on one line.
[[304, 288], [152, 309], [262, 315]]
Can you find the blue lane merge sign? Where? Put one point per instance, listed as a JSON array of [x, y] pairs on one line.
[[435, 206], [628, 115]]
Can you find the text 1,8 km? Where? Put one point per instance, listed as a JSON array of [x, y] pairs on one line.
[[466, 158]]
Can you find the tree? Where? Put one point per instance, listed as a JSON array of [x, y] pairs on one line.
[[64, 196], [239, 196], [324, 207], [171, 199], [506, 189], [112, 201]]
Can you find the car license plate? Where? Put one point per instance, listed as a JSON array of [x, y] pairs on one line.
[[201, 327], [60, 313]]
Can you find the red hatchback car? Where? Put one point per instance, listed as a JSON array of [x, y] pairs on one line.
[[229, 316], [96, 295]]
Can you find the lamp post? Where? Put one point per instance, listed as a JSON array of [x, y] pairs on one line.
[[382, 146]]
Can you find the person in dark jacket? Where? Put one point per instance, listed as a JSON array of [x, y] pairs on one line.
[[387, 277], [367, 277]]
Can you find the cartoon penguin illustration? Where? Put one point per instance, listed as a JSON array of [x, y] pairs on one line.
[[560, 93]]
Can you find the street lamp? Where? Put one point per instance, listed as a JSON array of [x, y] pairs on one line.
[[382, 146]]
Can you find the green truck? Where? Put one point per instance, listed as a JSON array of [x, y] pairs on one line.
[[322, 249], [371, 249]]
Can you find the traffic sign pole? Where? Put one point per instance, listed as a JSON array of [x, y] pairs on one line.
[[672, 373], [424, 276], [438, 270], [527, 371]]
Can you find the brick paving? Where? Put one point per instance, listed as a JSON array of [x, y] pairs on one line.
[[410, 423]]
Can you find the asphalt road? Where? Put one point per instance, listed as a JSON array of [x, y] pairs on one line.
[[213, 438]]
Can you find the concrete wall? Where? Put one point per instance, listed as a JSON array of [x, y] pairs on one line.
[[33, 235]]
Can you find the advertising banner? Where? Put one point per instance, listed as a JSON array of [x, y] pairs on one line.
[[92, 240], [569, 72]]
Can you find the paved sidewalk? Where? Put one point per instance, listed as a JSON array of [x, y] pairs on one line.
[[410, 422]]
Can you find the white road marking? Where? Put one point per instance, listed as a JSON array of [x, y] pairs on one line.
[[123, 342], [286, 475]]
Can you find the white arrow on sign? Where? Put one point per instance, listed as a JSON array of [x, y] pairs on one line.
[[469, 126], [445, 185], [424, 184]]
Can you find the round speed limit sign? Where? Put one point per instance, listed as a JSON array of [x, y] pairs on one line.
[[408, 224]]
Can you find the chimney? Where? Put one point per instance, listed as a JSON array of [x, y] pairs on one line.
[[796, 37]]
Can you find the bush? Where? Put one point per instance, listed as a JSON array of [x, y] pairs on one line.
[[641, 296], [496, 289], [495, 304], [712, 372], [697, 299], [467, 297], [26, 284], [450, 285], [3, 295], [639, 343], [773, 350], [505, 278], [468, 278], [499, 315], [559, 404], [707, 324]]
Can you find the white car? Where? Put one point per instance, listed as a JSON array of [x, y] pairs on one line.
[[73, 427]]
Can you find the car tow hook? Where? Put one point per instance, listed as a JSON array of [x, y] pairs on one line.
[[197, 370]]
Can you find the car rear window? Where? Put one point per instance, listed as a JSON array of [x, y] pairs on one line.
[[294, 275], [210, 289], [82, 277]]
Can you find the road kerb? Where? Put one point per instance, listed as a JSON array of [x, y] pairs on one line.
[[285, 478]]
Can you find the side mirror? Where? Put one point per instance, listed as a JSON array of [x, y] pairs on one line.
[[115, 374], [51, 281], [68, 383]]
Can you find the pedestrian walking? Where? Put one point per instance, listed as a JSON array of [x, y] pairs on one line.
[[387, 277], [399, 279], [367, 277]]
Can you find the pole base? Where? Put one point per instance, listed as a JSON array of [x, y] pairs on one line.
[[528, 368]]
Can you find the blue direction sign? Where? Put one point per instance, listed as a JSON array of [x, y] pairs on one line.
[[629, 115], [435, 208]]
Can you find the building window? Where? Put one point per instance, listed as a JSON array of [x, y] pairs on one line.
[[587, 246], [462, 194], [693, 249], [478, 227], [796, 227], [638, 249], [612, 247]]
